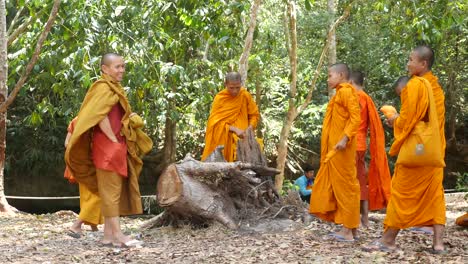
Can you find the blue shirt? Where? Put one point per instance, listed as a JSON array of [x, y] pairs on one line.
[[303, 182]]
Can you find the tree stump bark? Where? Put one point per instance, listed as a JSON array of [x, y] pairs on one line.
[[216, 190]]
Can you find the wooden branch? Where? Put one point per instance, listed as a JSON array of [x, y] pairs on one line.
[[11, 98], [322, 58], [22, 28], [281, 209], [15, 19], [292, 50], [244, 59], [155, 221]]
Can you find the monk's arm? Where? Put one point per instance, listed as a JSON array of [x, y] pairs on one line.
[[106, 128], [67, 139], [253, 113], [351, 102], [401, 118]]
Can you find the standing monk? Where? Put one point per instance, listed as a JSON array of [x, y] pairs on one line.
[[376, 195], [335, 194], [232, 113], [105, 149], [417, 194]]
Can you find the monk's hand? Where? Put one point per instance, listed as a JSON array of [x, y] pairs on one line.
[[342, 143], [391, 120], [239, 132], [132, 114]]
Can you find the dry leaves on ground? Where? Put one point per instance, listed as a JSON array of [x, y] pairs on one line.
[[27, 238]]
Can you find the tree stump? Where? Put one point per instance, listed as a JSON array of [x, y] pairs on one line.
[[216, 190]]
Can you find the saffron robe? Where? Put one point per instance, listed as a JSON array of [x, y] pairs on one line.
[[335, 194], [379, 178], [90, 203], [417, 195], [98, 102], [239, 111]]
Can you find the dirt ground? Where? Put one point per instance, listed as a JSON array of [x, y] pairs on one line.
[[27, 238]]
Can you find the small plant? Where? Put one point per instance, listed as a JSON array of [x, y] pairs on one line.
[[462, 181], [288, 185]]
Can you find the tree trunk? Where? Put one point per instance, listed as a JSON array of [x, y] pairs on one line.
[[332, 40], [4, 206], [452, 96], [292, 113], [196, 191], [244, 59], [170, 141]]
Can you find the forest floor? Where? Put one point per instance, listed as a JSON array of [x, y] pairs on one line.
[[29, 238]]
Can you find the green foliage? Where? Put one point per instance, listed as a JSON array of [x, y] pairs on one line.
[[288, 185], [462, 181], [178, 51]]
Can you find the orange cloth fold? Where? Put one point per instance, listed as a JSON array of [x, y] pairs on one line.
[[439, 98], [90, 207], [379, 178], [417, 194], [335, 194], [462, 220], [90, 203], [67, 173], [239, 111]]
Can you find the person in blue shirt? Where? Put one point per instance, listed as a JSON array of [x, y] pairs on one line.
[[305, 182]]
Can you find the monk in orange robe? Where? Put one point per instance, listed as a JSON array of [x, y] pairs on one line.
[[232, 112], [90, 203], [106, 147], [416, 201], [335, 194], [375, 186]]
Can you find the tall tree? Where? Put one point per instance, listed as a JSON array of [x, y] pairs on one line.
[[7, 99], [244, 59], [293, 110], [332, 48]]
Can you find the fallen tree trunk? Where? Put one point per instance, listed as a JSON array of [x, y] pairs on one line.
[[216, 190]]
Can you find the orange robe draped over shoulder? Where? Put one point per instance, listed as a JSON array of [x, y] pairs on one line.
[[98, 102], [335, 194], [417, 195], [379, 178], [239, 111]]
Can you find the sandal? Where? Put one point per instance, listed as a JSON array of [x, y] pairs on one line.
[[74, 234], [378, 246], [339, 238], [130, 244], [437, 251]]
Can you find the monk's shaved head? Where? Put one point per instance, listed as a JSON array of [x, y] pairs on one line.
[[232, 77], [108, 57], [400, 84], [357, 77], [341, 68], [425, 53]]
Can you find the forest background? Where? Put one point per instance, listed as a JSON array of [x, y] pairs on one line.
[[177, 53]]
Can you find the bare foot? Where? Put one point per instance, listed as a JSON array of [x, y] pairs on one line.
[[94, 228]]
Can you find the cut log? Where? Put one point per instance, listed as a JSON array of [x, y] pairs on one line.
[[216, 190]]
